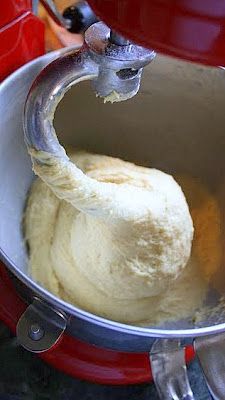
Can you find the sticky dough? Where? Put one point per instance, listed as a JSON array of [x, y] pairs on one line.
[[113, 238]]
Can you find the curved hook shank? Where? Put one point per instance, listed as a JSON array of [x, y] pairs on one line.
[[49, 158], [45, 94]]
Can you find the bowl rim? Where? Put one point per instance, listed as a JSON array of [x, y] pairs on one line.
[[69, 308]]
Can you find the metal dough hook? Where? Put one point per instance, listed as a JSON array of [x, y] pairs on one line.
[[114, 69]]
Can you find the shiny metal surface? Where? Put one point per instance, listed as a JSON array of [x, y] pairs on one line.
[[180, 108], [211, 354], [40, 327], [95, 62], [118, 39], [113, 60], [36, 332], [46, 92], [169, 370]]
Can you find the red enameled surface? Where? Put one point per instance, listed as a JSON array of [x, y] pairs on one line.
[[11, 9], [189, 29], [78, 358], [20, 41]]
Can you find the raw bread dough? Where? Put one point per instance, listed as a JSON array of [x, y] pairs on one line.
[[206, 214], [114, 241]]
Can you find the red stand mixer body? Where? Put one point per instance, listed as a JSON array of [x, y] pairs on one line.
[[193, 30], [21, 35], [190, 29]]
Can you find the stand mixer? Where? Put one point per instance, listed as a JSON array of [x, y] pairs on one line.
[[112, 62], [114, 65]]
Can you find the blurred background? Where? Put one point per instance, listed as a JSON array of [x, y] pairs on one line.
[[56, 36]]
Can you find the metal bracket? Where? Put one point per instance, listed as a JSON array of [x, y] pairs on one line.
[[210, 351], [40, 327], [169, 370], [51, 8]]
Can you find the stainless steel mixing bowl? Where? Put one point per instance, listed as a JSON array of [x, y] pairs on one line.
[[176, 123]]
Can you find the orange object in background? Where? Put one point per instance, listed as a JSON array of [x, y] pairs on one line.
[[56, 36], [24, 36]]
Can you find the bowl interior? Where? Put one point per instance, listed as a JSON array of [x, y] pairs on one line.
[[176, 123]]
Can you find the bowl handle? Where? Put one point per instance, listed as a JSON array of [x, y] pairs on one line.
[[40, 327], [210, 351], [169, 370]]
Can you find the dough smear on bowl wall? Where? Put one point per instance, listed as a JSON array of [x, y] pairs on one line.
[[116, 239]]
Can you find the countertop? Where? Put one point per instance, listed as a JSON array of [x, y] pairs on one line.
[[25, 377]]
